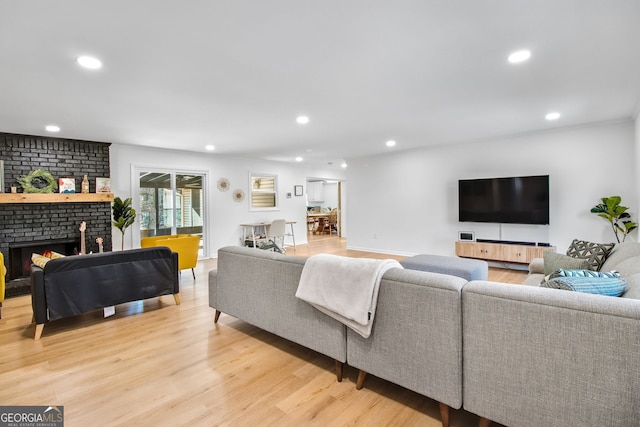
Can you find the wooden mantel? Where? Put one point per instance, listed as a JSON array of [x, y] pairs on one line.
[[55, 197]]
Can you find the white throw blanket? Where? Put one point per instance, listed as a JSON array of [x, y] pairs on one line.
[[344, 288]]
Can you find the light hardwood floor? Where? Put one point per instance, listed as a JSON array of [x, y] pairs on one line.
[[158, 364]]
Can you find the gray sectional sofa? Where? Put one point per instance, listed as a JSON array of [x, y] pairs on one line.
[[546, 357], [416, 340], [259, 287], [517, 355]]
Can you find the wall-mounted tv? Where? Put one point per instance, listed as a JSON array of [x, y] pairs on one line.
[[514, 200]]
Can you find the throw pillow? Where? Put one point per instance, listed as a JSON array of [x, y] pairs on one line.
[[596, 253], [553, 261], [583, 273], [609, 286], [42, 260]]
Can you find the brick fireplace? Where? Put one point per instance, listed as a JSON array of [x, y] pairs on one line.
[[35, 224]]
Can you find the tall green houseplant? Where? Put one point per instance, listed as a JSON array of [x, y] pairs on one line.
[[617, 216], [123, 215]]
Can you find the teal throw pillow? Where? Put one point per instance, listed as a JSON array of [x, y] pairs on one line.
[[609, 286], [583, 273]]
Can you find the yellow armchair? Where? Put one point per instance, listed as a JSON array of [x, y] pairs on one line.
[[3, 271], [185, 245]]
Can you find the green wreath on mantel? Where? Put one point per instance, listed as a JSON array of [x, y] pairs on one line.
[[38, 181]]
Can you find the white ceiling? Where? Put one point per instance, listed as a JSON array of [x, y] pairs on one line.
[[236, 73]]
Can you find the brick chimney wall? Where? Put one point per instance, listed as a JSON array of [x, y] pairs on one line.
[[62, 158]]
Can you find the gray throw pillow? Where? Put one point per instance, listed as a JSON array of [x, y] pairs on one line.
[[554, 261], [596, 253]]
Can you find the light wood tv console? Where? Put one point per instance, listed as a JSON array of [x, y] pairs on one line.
[[504, 252]]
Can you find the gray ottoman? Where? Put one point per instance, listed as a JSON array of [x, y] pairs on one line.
[[470, 269]]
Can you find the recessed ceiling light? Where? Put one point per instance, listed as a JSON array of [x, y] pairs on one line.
[[210, 148], [391, 143], [552, 116], [89, 62], [303, 120], [52, 128], [343, 165], [519, 56], [299, 159]]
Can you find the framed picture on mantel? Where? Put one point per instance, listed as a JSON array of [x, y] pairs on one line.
[[103, 185]]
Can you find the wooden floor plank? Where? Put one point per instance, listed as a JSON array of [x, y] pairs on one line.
[[158, 363]]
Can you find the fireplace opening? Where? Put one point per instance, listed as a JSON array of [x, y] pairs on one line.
[[20, 254]]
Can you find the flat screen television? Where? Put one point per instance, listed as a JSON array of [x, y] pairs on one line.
[[514, 200]]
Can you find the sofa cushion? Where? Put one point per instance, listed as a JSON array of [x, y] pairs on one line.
[[533, 279], [610, 286], [628, 267], [633, 287], [536, 266], [553, 261], [620, 253], [596, 253]]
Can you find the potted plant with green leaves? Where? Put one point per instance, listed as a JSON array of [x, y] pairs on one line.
[[617, 215], [123, 215]]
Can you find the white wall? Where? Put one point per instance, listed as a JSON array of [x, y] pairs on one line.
[[636, 204], [407, 202], [224, 214]]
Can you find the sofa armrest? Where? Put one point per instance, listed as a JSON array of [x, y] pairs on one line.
[[38, 300], [536, 266], [213, 288]]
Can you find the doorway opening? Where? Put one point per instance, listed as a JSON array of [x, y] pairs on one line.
[[325, 213]]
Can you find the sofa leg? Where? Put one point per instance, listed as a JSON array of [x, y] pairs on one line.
[[360, 382], [339, 370], [484, 422], [39, 328], [445, 410], [0, 310], [176, 297], [217, 316], [194, 274]]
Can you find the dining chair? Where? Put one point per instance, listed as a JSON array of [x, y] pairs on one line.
[[311, 224], [276, 230], [333, 221]]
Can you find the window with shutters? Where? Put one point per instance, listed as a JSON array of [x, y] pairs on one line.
[[264, 189]]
